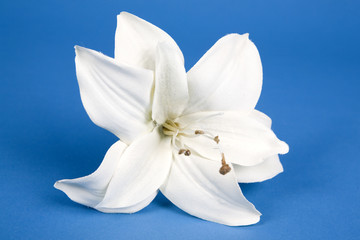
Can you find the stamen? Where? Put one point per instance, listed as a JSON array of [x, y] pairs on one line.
[[225, 168], [199, 132], [181, 151], [171, 128], [186, 152]]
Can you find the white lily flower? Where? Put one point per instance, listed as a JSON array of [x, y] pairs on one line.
[[193, 135]]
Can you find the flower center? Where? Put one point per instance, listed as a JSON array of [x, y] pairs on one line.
[[173, 129]]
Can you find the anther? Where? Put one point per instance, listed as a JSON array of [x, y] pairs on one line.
[[217, 139], [225, 168], [186, 152], [181, 151], [199, 132]]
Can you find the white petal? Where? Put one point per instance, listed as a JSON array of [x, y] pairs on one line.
[[117, 97], [196, 186], [136, 41], [130, 209], [171, 92], [90, 190], [269, 168], [143, 167], [243, 139], [261, 117], [227, 77]]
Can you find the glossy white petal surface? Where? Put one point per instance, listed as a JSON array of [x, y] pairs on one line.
[[243, 139], [227, 77], [171, 91], [196, 186], [136, 41], [261, 117], [142, 168], [131, 208], [90, 190], [116, 97], [269, 168]]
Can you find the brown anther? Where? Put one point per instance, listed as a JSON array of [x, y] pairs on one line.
[[187, 152], [181, 151], [225, 168], [199, 132], [216, 139]]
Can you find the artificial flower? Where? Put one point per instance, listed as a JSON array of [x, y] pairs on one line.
[[191, 135]]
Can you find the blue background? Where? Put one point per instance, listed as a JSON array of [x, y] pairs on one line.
[[310, 52]]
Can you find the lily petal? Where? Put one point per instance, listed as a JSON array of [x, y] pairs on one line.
[[90, 190], [269, 168], [171, 91], [136, 41], [243, 139], [261, 117], [117, 97], [143, 167], [130, 209], [196, 186], [227, 77]]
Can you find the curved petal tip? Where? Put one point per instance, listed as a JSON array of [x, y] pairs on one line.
[[250, 220], [124, 13], [284, 148], [237, 35]]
